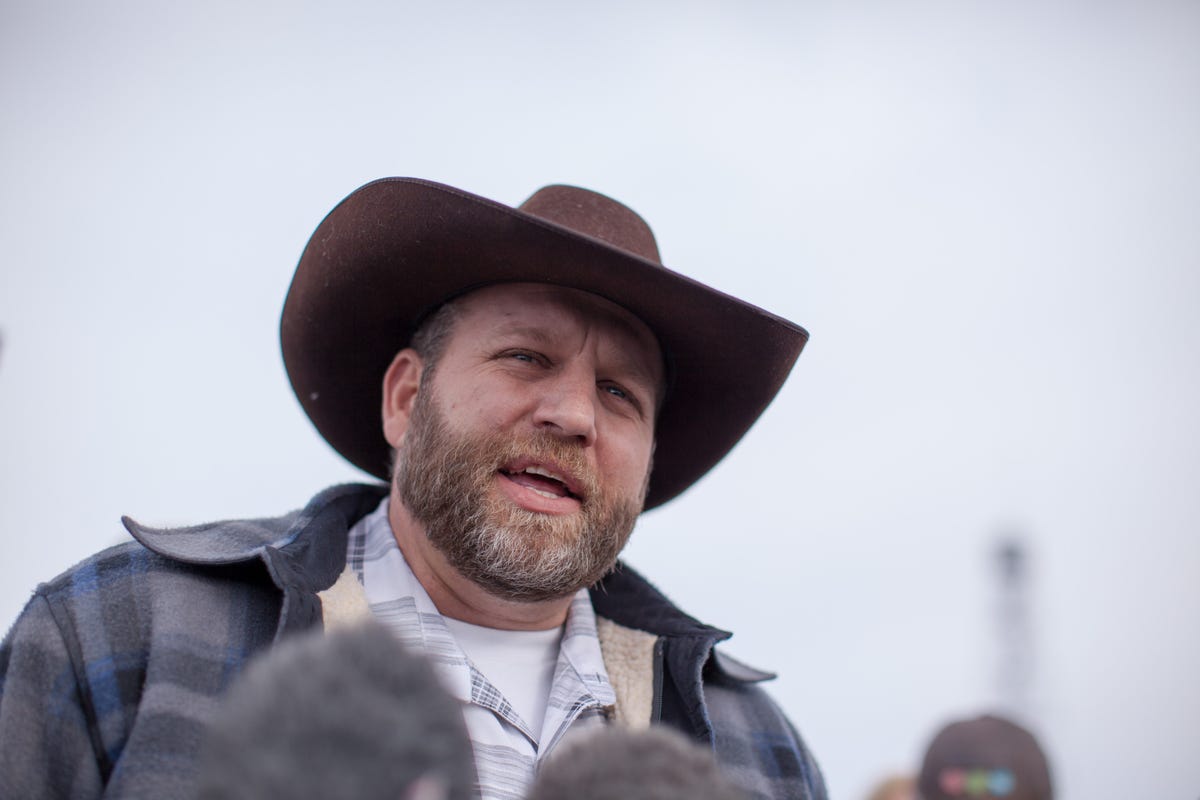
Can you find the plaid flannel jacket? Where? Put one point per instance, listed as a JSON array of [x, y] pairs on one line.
[[110, 674]]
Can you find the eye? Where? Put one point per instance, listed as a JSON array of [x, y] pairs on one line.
[[623, 395], [617, 391], [523, 356]]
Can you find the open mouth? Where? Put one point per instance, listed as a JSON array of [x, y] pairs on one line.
[[541, 480]]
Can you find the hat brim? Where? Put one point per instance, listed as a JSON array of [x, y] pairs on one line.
[[397, 248]]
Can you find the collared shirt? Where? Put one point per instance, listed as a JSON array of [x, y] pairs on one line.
[[507, 752]]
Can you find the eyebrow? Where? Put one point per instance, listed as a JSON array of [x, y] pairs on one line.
[[530, 331]]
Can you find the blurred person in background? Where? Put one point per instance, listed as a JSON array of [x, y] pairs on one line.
[[895, 787], [984, 757], [524, 382]]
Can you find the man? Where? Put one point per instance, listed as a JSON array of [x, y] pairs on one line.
[[527, 381]]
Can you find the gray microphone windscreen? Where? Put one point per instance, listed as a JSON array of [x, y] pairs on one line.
[[348, 715], [621, 764]]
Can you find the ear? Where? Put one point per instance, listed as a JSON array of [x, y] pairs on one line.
[[400, 385]]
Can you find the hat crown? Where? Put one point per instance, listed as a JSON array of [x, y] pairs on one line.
[[595, 215]]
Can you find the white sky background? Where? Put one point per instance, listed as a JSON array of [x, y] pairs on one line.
[[986, 213]]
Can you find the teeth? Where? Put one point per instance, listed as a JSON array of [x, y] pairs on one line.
[[544, 473], [546, 494]]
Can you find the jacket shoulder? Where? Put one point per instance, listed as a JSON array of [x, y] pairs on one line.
[[117, 593], [119, 658], [132, 646], [758, 745]]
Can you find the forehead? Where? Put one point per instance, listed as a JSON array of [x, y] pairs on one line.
[[540, 307]]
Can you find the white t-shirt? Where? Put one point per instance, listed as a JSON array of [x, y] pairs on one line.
[[518, 663]]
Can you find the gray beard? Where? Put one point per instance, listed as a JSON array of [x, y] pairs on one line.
[[512, 553]]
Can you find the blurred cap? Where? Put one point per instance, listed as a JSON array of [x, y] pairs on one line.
[[985, 757]]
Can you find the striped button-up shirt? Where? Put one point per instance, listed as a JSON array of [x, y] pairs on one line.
[[507, 753]]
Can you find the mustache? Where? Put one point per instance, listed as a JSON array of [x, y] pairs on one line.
[[548, 449]]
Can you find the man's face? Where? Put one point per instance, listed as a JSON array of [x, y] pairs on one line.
[[527, 454]]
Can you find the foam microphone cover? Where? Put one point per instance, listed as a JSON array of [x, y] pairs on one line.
[[348, 714], [621, 764]]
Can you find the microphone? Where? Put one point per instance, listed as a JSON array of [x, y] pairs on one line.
[[621, 764], [346, 715]]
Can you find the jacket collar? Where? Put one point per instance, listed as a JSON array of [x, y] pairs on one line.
[[303, 534], [305, 552], [628, 599]]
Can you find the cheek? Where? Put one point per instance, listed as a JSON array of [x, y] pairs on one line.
[[488, 407], [628, 464]]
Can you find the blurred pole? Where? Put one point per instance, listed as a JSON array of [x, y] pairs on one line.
[[1014, 635]]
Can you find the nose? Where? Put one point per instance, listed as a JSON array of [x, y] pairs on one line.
[[567, 406]]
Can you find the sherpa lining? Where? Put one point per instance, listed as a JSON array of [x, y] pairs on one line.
[[629, 658], [345, 603]]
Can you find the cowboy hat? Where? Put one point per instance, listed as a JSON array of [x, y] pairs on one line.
[[398, 248]]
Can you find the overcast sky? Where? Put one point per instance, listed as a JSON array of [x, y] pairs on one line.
[[986, 213]]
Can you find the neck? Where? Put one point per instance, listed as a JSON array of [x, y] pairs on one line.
[[458, 597]]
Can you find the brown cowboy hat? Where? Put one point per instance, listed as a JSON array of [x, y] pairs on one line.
[[396, 249]]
